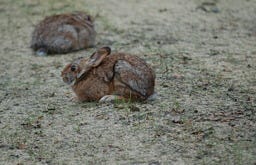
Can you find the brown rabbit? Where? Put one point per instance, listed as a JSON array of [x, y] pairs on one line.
[[106, 77], [63, 33]]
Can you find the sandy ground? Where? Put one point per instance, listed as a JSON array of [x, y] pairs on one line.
[[204, 55]]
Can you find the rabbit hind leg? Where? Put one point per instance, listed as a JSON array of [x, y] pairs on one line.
[[61, 44], [127, 94]]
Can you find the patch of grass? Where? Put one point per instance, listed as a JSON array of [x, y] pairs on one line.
[[32, 122], [241, 153], [108, 26]]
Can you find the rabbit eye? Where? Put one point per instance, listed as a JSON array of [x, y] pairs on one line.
[[89, 18], [73, 68]]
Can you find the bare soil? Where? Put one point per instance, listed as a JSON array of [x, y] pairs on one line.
[[204, 56]]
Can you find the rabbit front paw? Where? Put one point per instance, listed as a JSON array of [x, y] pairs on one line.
[[110, 98]]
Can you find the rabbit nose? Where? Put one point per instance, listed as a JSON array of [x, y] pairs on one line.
[[65, 79]]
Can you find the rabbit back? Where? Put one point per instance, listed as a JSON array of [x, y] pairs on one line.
[[138, 78], [133, 78]]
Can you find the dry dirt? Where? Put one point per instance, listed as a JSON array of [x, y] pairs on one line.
[[204, 55]]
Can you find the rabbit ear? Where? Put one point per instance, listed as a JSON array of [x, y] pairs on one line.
[[99, 55], [94, 61]]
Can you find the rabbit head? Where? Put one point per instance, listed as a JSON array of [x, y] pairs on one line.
[[76, 70], [83, 16]]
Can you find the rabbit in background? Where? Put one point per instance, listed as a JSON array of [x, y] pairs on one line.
[[63, 33], [106, 77]]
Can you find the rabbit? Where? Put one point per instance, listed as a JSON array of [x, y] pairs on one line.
[[107, 77], [63, 33]]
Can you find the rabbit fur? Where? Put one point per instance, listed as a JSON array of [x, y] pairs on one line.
[[106, 77], [63, 33]]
